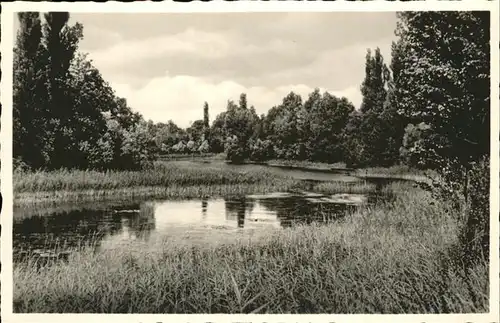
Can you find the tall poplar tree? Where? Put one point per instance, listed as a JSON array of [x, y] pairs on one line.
[[206, 122], [29, 101], [374, 91], [61, 43]]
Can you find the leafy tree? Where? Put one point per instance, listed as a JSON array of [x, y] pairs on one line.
[[447, 87], [167, 135], [121, 112], [236, 152], [354, 147], [238, 129], [191, 146], [196, 130], [444, 82], [282, 126], [137, 146], [61, 41], [204, 147], [374, 127], [30, 103], [373, 88], [65, 113], [90, 98], [217, 133], [327, 119], [304, 123], [413, 151], [180, 147], [392, 122]]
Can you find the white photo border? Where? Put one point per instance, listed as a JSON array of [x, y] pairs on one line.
[[6, 186]]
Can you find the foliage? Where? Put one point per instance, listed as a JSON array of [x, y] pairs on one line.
[[327, 118], [206, 122], [413, 149], [238, 129], [217, 133], [282, 126], [196, 130], [137, 147], [261, 150], [379, 132], [443, 82], [475, 228], [354, 147], [235, 149], [63, 106], [204, 147], [30, 146]]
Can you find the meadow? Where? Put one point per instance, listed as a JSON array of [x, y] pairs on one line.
[[395, 257]]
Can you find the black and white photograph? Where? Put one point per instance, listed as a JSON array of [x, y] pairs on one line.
[[250, 162]]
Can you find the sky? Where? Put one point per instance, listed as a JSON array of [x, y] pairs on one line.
[[168, 64]]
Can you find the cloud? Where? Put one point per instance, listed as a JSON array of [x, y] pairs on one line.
[[180, 98], [200, 53], [194, 42], [216, 57]]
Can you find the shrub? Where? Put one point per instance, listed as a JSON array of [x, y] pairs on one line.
[[137, 148], [204, 147], [261, 150], [235, 150], [475, 228]]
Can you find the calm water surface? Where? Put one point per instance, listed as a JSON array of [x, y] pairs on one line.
[[108, 225], [41, 231]]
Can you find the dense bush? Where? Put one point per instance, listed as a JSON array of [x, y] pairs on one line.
[[475, 227], [261, 150], [236, 152]]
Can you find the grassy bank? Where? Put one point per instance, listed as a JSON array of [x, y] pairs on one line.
[[165, 179], [394, 172], [392, 259], [306, 164]]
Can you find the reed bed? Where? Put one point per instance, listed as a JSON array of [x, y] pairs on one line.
[[164, 179], [305, 164], [162, 174], [393, 258], [395, 172], [360, 187]]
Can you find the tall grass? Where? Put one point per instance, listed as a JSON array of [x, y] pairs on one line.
[[390, 259], [306, 164], [344, 187], [165, 179], [395, 172], [162, 174], [169, 179]]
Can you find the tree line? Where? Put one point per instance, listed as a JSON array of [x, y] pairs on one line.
[[430, 103], [65, 115]]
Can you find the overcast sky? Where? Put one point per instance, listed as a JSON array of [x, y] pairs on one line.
[[167, 65]]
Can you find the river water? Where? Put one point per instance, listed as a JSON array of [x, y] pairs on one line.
[[109, 225]]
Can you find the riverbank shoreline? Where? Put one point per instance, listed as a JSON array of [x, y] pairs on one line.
[[174, 179], [393, 258]]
